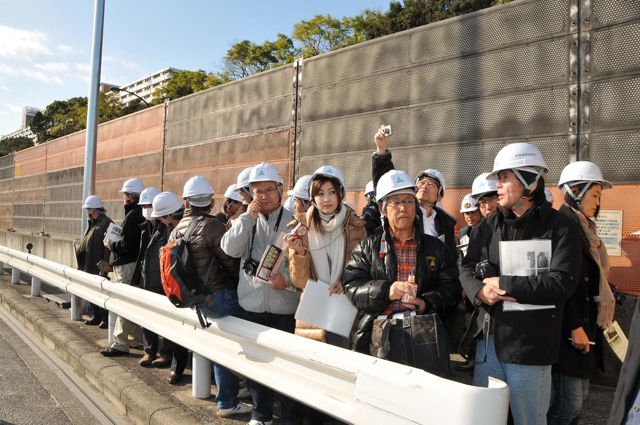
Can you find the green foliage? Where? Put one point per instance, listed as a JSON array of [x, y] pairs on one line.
[[14, 144], [322, 33], [184, 83], [246, 58]]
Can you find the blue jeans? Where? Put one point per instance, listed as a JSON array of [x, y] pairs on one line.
[[633, 418], [569, 393], [224, 302], [529, 386]]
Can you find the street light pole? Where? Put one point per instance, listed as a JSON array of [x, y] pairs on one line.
[[118, 90]]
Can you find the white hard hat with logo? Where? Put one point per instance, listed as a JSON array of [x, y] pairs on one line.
[[197, 186], [232, 193], [165, 203], [392, 182], [331, 172], [147, 195], [581, 172], [468, 204], [434, 175], [301, 188], [93, 201], [520, 157], [134, 185], [481, 186], [369, 188], [265, 172]]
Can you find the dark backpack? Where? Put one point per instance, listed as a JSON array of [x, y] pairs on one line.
[[180, 282]]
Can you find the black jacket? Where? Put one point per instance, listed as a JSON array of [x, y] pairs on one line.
[[367, 280], [629, 380], [126, 250], [92, 249], [146, 230], [526, 337], [581, 311], [150, 268], [371, 217], [445, 224]]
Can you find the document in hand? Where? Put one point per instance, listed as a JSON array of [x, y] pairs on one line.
[[318, 307], [525, 258], [113, 234]]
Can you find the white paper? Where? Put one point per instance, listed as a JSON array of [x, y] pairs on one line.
[[318, 307], [525, 258], [113, 234]]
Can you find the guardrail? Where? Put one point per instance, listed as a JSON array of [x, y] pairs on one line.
[[350, 386]]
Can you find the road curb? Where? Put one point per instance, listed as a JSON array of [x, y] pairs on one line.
[[130, 395]]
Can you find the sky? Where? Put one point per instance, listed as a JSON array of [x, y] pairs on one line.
[[45, 45]]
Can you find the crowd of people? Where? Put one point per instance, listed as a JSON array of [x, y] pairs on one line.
[[534, 318]]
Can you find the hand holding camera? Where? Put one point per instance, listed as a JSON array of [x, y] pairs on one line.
[[381, 138], [254, 208]]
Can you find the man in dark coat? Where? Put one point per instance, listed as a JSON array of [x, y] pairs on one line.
[[92, 255]]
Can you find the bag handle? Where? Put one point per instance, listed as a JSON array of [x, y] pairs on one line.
[[191, 228]]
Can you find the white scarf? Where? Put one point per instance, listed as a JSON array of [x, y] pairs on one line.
[[327, 249]]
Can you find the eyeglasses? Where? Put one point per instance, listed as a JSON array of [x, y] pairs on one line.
[[404, 202], [261, 193]]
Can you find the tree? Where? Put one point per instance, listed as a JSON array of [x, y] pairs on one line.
[[14, 144], [246, 58], [184, 83], [321, 34]]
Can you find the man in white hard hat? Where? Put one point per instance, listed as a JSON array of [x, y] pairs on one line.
[[485, 191], [146, 229], [521, 341], [472, 216], [371, 213], [300, 195], [270, 304], [242, 184], [166, 211], [232, 206], [124, 254], [221, 282], [431, 187], [400, 270], [92, 255]]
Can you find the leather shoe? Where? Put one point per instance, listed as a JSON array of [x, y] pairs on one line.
[[104, 325], [161, 362], [93, 322], [113, 352], [174, 378], [147, 360]]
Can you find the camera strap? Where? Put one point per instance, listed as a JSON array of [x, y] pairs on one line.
[[253, 231]]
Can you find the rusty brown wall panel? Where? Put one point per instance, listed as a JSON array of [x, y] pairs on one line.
[[30, 161], [133, 123], [111, 174], [7, 170], [63, 200], [66, 152], [29, 189]]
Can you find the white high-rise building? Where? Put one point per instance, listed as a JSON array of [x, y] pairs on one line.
[[145, 86]]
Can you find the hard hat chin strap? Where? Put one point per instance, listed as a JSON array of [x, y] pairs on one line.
[[527, 186], [567, 189]]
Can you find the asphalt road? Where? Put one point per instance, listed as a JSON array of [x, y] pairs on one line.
[[35, 388]]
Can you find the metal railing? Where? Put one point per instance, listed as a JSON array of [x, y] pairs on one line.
[[350, 386]]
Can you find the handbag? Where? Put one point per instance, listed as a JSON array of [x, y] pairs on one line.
[[414, 340]]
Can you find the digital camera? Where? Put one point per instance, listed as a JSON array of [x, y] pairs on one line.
[[250, 266], [484, 269]]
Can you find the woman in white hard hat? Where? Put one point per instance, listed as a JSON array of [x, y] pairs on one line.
[[300, 195], [92, 255], [399, 273], [370, 213], [333, 231], [232, 206], [521, 341], [485, 191], [591, 307]]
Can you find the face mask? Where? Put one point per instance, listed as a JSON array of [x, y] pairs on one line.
[[146, 212]]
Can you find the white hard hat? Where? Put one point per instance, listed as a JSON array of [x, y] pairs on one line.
[[289, 204], [243, 178], [93, 201], [369, 188], [331, 172], [468, 204], [481, 186], [581, 172], [548, 195], [197, 186], [147, 195], [520, 157], [232, 193], [434, 175], [301, 188], [394, 181], [134, 185], [265, 172], [165, 203]]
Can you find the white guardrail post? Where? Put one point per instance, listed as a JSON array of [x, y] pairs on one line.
[[350, 386], [1, 268], [15, 275], [35, 286]]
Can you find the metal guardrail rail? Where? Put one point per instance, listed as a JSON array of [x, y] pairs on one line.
[[350, 386]]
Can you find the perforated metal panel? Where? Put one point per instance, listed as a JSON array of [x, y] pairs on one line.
[[63, 200], [607, 12], [615, 104], [615, 50], [6, 191]]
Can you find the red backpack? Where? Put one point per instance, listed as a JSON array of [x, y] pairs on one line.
[[180, 281]]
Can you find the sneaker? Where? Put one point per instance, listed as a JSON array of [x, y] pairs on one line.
[[239, 409], [257, 422]]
